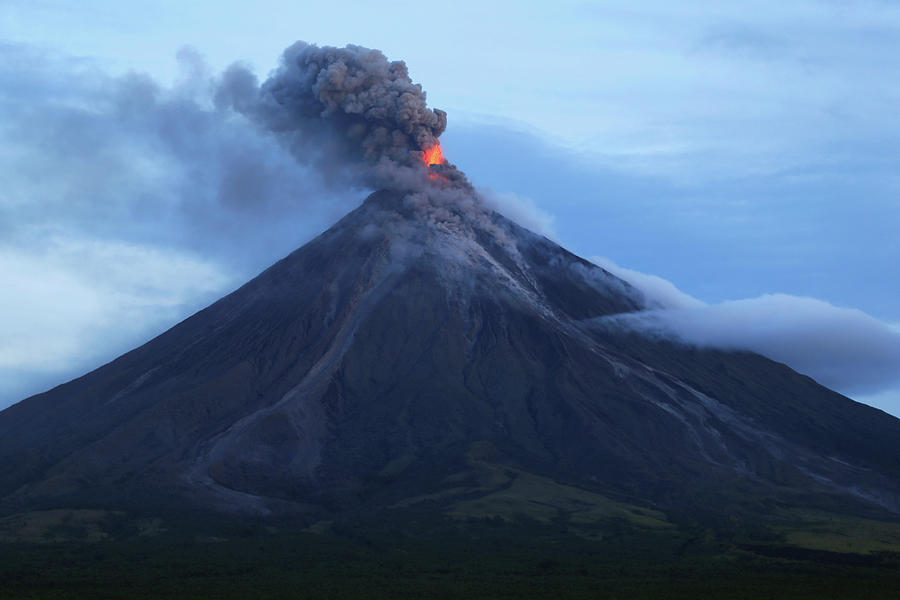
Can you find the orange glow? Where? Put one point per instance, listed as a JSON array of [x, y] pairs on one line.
[[434, 156]]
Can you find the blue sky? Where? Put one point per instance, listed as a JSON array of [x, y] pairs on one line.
[[744, 152]]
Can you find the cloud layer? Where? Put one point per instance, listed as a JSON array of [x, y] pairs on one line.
[[84, 289], [842, 348], [658, 292]]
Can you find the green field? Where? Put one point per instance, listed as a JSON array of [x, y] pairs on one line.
[[419, 554]]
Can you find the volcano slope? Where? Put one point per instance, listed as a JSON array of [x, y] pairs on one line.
[[427, 353]]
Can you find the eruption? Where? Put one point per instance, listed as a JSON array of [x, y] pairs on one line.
[[434, 155], [348, 111]]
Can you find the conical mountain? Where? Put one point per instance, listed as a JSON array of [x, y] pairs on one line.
[[433, 352]]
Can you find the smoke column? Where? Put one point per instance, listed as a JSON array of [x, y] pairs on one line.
[[349, 112]]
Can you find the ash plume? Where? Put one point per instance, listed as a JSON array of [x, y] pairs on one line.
[[350, 113]]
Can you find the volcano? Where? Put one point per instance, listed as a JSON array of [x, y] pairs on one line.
[[429, 352]]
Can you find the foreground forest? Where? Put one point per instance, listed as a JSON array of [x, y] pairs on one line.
[[92, 554]]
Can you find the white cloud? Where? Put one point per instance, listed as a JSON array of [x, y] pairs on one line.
[[523, 210], [659, 292], [842, 348], [75, 302]]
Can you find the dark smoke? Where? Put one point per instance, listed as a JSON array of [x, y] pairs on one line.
[[103, 172], [349, 112]]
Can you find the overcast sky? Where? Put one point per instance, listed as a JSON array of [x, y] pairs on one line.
[[738, 160]]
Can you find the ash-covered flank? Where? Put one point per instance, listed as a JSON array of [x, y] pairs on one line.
[[410, 345]]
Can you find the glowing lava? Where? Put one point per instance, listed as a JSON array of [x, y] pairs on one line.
[[434, 155]]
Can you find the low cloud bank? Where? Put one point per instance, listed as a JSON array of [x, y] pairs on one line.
[[521, 209], [79, 302], [842, 348], [658, 292]]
